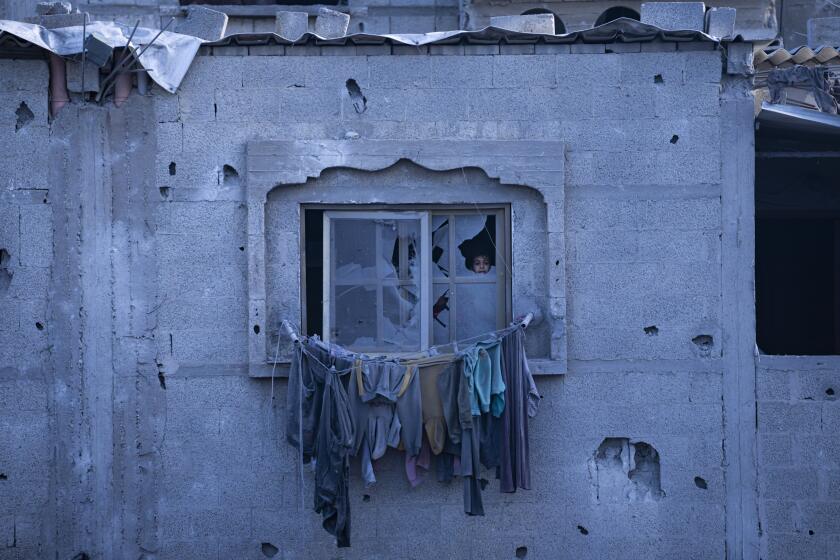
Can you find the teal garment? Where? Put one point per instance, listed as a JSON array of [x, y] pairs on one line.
[[483, 370]]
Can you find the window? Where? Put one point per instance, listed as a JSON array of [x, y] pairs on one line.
[[401, 279], [797, 253]]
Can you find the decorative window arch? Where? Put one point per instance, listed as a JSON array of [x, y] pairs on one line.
[[274, 164]]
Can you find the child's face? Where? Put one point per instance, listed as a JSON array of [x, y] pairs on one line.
[[481, 264]]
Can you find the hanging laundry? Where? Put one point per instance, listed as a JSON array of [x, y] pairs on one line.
[[522, 401], [483, 370], [450, 412], [385, 402], [320, 425]]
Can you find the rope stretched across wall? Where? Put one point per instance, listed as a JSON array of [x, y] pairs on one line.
[[286, 326]]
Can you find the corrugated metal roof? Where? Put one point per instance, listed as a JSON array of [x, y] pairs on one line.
[[622, 30], [772, 58], [618, 31]]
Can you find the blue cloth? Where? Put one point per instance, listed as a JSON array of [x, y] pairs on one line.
[[483, 370]]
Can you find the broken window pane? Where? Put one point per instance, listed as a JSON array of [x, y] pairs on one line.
[[354, 314], [440, 246], [440, 314], [375, 283]]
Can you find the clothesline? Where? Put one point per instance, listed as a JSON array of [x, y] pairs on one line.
[[524, 322]]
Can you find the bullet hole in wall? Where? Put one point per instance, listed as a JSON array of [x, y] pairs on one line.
[[829, 393], [366, 497], [625, 471], [583, 530], [5, 273], [3, 476], [269, 550], [24, 116], [39, 325], [81, 556], [704, 344], [241, 247], [256, 329], [521, 551], [700, 483], [172, 167], [657, 79], [674, 139], [356, 96], [230, 176], [165, 192], [652, 330]]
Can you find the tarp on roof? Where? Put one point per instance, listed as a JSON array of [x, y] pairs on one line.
[[166, 60]]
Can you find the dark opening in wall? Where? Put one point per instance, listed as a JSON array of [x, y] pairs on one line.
[[314, 234], [611, 14], [5, 271], [24, 116], [797, 251], [559, 26]]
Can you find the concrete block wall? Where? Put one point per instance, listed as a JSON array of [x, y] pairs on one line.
[[798, 455], [26, 260], [643, 188]]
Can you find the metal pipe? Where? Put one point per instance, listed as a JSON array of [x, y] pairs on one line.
[[59, 96]]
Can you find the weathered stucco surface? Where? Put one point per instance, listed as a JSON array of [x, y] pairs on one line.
[[134, 428]]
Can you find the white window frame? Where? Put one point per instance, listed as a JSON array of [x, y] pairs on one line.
[[425, 264]]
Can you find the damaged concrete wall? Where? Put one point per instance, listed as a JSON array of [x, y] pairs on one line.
[[798, 455], [27, 421], [643, 223], [185, 452]]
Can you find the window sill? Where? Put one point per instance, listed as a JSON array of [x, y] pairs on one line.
[[769, 361], [539, 367]]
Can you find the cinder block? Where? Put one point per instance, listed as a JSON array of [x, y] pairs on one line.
[[790, 483], [536, 23], [587, 48], [462, 72], [674, 15], [305, 104], [247, 105], [36, 235], [24, 75], [57, 21], [776, 450], [481, 50], [408, 71], [326, 72], [658, 46], [773, 385], [506, 48], [524, 71], [203, 23], [74, 77], [739, 59], [789, 417], [824, 32], [291, 25], [720, 22], [330, 24], [53, 8]]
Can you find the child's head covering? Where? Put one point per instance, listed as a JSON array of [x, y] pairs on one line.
[[482, 243]]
